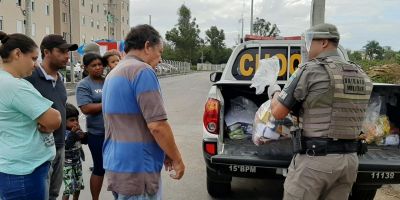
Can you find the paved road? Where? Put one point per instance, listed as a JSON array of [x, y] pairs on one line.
[[184, 98]]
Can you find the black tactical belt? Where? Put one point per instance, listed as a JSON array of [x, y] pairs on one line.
[[324, 146]]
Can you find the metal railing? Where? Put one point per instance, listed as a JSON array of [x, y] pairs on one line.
[[168, 67], [210, 67]]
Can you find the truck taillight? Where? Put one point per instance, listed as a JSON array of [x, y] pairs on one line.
[[210, 148], [211, 116]]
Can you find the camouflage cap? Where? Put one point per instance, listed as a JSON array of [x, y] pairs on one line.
[[324, 31], [91, 48]]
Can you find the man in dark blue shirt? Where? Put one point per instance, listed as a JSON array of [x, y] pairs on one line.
[[50, 83]]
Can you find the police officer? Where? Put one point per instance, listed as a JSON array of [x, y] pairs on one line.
[[331, 95]]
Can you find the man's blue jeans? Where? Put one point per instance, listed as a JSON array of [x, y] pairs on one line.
[[25, 187]]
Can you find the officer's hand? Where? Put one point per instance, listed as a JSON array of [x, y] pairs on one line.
[[179, 169], [272, 89]]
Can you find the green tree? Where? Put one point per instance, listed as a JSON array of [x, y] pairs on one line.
[[265, 28], [373, 50], [184, 37], [355, 56], [169, 52], [389, 55], [215, 39]]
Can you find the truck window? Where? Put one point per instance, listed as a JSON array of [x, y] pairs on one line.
[[247, 61]]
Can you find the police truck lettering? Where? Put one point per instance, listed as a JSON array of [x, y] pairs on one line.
[[382, 175], [247, 63], [242, 168]]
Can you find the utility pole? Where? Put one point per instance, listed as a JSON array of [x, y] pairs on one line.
[[317, 14], [150, 20], [70, 41], [242, 38], [28, 18], [251, 18]]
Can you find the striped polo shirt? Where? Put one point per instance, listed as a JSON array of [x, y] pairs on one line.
[[131, 157]]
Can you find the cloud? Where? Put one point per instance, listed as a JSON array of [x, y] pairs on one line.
[[358, 21]]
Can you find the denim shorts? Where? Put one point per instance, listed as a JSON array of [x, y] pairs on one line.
[[25, 187]]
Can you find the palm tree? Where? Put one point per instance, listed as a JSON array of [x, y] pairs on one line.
[[373, 50]]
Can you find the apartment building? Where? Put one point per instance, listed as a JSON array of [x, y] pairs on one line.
[[91, 19], [80, 20], [12, 19]]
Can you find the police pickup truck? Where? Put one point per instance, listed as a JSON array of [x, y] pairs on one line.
[[226, 158]]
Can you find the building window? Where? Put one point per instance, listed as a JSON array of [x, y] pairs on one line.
[[123, 19], [84, 38], [64, 16], [33, 5], [105, 26], [47, 9], [83, 2], [47, 30], [127, 7], [91, 6], [127, 21], [83, 20], [98, 8], [123, 33], [65, 34], [105, 11], [122, 5], [18, 2], [33, 29], [20, 26], [91, 23], [1, 23], [98, 25]]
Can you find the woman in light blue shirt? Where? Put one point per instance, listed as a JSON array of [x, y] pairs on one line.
[[26, 123]]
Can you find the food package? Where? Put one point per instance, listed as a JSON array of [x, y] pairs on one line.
[[376, 127], [242, 110], [266, 128], [240, 131]]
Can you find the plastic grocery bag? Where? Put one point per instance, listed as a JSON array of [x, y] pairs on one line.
[[267, 74], [266, 128], [375, 126], [242, 110]]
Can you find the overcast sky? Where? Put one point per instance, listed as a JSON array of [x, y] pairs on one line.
[[358, 21]]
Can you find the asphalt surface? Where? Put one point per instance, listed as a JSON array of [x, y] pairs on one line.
[[184, 98]]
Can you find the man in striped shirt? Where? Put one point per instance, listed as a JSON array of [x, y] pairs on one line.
[[138, 138]]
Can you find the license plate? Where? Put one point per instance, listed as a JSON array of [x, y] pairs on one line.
[[243, 168], [384, 175]]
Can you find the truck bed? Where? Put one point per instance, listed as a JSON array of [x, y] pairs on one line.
[[380, 158]]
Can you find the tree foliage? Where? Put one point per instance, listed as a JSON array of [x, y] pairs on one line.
[[265, 28], [184, 43], [184, 37], [215, 51], [373, 50]]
